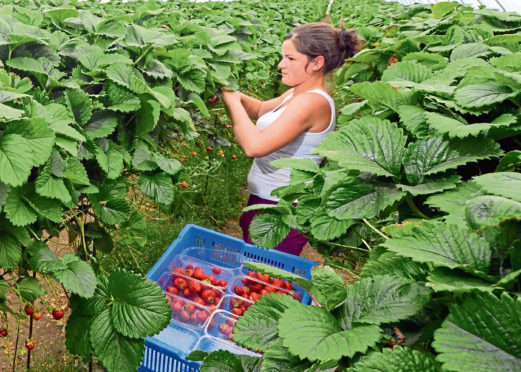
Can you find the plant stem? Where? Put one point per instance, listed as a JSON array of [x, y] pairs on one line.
[[415, 209], [339, 245], [374, 229], [81, 225]]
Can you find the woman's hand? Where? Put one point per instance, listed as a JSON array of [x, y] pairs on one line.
[[230, 96]]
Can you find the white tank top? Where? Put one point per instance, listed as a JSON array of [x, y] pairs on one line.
[[263, 178]]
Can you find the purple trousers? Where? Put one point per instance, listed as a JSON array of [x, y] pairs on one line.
[[292, 243]]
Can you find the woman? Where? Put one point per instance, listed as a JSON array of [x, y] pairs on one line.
[[294, 123]]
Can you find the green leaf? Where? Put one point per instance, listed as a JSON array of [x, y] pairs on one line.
[[454, 202], [313, 333], [355, 199], [45, 207], [268, 229], [45, 260], [455, 128], [482, 334], [115, 351], [442, 244], [432, 186], [143, 159], [193, 81], [76, 173], [510, 161], [40, 138], [30, 289], [121, 99], [324, 227], [389, 263], [380, 94], [78, 277], [470, 50], [4, 190], [50, 186], [381, 299], [482, 96], [79, 104], [128, 77], [77, 336], [170, 166], [147, 117], [506, 184], [278, 358], [90, 56], [14, 167], [10, 251], [367, 145], [435, 155], [398, 358], [444, 279], [158, 70], [101, 125], [490, 210], [257, 328], [404, 73], [111, 211], [157, 186], [111, 162], [329, 288], [414, 119], [140, 307], [222, 360], [307, 165]]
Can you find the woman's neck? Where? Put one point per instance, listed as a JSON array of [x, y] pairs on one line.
[[316, 82]]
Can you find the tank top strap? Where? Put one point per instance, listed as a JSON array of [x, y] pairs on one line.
[[331, 104]]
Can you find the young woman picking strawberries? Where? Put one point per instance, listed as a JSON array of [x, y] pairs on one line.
[[293, 124]]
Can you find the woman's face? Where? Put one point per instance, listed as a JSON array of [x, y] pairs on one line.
[[293, 65]]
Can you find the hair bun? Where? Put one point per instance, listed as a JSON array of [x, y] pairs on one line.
[[349, 42]]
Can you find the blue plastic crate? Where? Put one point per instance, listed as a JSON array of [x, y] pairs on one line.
[[163, 352]]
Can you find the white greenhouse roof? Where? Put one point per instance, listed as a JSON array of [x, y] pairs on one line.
[[504, 5]]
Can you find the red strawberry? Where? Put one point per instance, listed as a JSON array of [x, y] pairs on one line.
[[213, 99], [264, 277], [184, 316], [264, 292], [209, 149], [171, 289], [208, 295], [255, 287], [199, 300], [224, 328], [187, 292], [190, 308], [213, 279], [238, 290], [222, 283], [29, 309], [216, 270], [203, 315], [195, 287], [237, 311], [3, 332], [277, 282], [180, 283], [189, 267], [254, 296], [58, 313], [228, 126], [199, 273], [235, 302], [177, 308], [392, 60], [37, 315], [194, 154], [230, 335], [234, 157], [30, 344], [194, 318]]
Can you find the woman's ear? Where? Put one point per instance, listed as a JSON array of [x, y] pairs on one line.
[[320, 62]]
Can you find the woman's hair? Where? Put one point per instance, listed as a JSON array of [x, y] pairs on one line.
[[322, 39]]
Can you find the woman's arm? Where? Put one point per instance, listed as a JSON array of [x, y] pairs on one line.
[[254, 107], [296, 118]]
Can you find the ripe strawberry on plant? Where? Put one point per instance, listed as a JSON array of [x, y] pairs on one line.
[[209, 149], [194, 154], [37, 315], [29, 309], [3, 332], [30, 344], [213, 99], [392, 60], [234, 157], [58, 313]]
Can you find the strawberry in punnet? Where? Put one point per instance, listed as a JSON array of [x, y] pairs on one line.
[[264, 292], [203, 315], [237, 311], [225, 328], [195, 287], [212, 279], [184, 316], [216, 270], [264, 277], [235, 302], [277, 282], [217, 300], [194, 318], [3, 332], [178, 270], [230, 322], [222, 283], [199, 273], [58, 313], [230, 335], [254, 296], [171, 289], [255, 286], [208, 296], [177, 308], [180, 283], [189, 267], [190, 308], [189, 272], [29, 309], [238, 290], [187, 292], [199, 300]]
